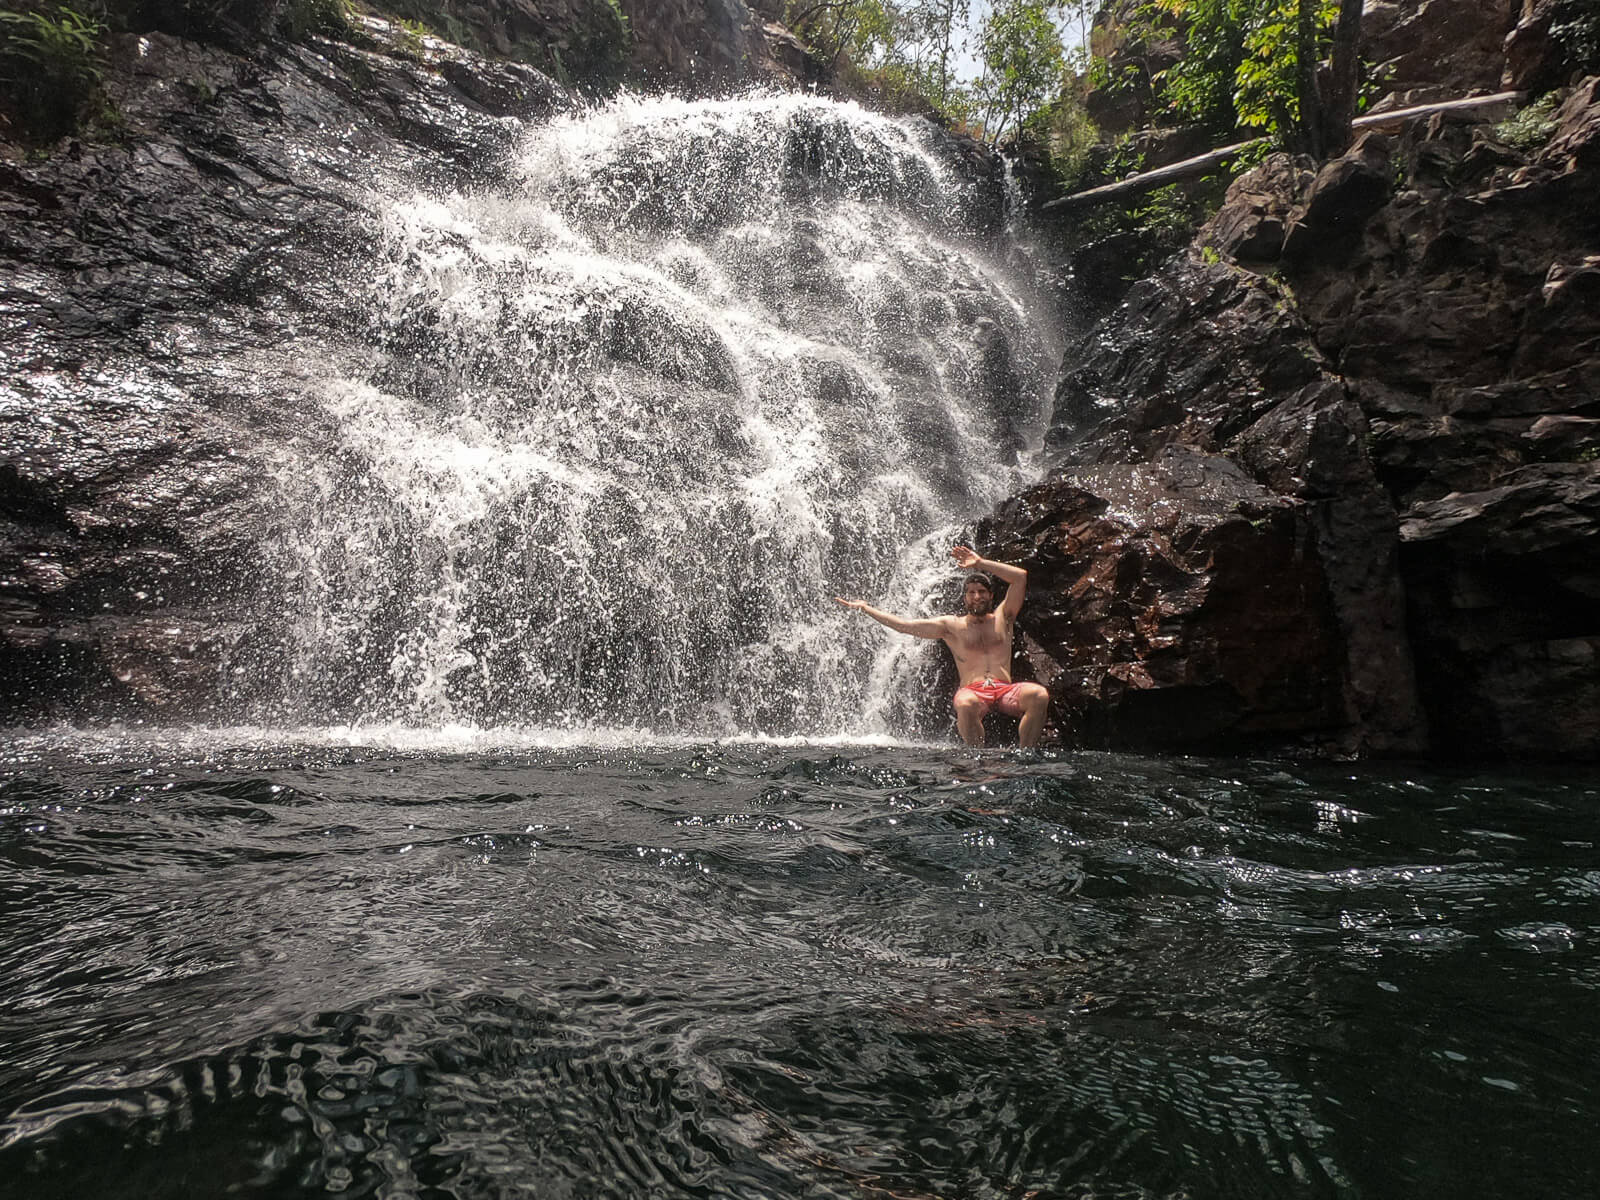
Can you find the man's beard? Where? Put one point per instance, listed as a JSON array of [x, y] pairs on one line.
[[979, 608]]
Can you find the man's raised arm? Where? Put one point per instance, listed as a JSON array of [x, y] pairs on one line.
[[1016, 578], [929, 628]]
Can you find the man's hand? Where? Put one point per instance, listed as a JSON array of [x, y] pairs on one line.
[[858, 605], [965, 558]]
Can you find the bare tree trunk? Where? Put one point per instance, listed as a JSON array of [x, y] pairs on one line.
[[1339, 102], [1309, 131]]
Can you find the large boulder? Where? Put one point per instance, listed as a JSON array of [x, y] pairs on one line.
[[1505, 593], [1172, 606]]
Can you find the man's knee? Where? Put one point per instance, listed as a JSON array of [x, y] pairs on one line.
[[967, 704], [1033, 697]]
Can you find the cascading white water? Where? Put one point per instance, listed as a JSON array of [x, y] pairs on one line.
[[629, 428]]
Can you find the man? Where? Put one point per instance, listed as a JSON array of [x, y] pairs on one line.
[[980, 640]]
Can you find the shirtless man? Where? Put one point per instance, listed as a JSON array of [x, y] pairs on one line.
[[980, 639]]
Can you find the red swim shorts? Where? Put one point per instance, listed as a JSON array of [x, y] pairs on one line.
[[995, 693]]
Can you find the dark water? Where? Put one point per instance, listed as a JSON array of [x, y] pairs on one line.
[[790, 971]]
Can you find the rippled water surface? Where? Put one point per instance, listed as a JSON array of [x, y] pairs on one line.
[[788, 970]]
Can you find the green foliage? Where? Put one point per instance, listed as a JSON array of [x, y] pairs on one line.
[[301, 19], [1210, 255], [1023, 65], [1532, 127], [1240, 60], [1068, 137], [1266, 93], [1126, 157], [1576, 25], [1200, 86], [409, 38], [1120, 80], [1161, 223], [50, 70], [1168, 214], [912, 87], [903, 50], [1252, 156], [622, 19], [859, 30]]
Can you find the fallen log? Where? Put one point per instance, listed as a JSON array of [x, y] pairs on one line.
[[1202, 164], [1134, 185]]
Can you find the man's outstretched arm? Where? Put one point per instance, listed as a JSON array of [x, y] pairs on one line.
[[927, 628], [1016, 578]]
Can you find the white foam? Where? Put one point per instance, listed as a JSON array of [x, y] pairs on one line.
[[629, 427]]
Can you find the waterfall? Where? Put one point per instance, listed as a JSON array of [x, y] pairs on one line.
[[627, 427]]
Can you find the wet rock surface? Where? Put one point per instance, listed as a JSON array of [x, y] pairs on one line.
[[1402, 348], [1174, 605], [150, 289], [170, 303], [709, 42]]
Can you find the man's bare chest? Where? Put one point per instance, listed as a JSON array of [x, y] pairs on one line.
[[979, 637]]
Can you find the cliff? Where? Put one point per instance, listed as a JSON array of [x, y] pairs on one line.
[[1362, 415]]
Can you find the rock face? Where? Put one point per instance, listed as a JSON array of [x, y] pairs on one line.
[[143, 284], [169, 305], [1174, 605], [585, 40], [1403, 350], [701, 42], [1437, 49]]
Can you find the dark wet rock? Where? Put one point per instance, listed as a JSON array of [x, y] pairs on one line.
[[1173, 605], [1103, 270], [1258, 209], [703, 43], [1576, 141], [1535, 60], [1420, 388], [1504, 586], [585, 40], [1313, 446], [1192, 356], [1343, 197], [241, 21], [146, 287]]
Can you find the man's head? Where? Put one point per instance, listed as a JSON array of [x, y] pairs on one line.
[[977, 594]]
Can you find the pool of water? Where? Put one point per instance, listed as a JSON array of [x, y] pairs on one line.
[[253, 967]]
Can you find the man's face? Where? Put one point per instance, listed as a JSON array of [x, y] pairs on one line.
[[977, 599]]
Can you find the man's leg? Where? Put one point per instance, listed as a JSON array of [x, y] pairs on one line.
[[1034, 700], [969, 717]]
